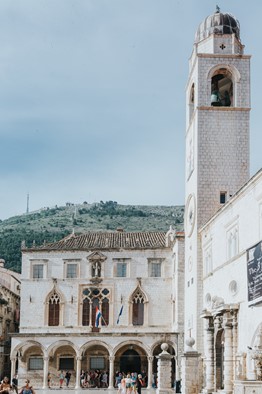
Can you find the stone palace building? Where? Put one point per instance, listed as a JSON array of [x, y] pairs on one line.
[[205, 285]]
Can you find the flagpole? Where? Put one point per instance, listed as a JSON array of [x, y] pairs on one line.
[[104, 320]]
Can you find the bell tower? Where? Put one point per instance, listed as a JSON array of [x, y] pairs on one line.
[[217, 143]]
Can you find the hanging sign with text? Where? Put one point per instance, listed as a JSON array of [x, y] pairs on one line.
[[254, 274]]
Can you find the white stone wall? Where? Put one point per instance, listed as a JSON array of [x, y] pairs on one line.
[[34, 292], [240, 68], [220, 155], [242, 211]]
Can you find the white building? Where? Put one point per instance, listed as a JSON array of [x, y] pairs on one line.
[[223, 277], [212, 279], [62, 285], [9, 313]]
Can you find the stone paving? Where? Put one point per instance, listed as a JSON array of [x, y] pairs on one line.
[[86, 391]]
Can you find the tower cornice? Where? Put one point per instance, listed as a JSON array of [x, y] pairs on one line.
[[223, 109], [224, 56]]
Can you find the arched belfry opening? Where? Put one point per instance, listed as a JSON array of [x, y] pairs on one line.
[[222, 88], [191, 101]]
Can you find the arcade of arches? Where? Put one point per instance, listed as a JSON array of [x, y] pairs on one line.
[[34, 360]]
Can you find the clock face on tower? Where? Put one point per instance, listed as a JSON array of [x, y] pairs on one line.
[[190, 216]]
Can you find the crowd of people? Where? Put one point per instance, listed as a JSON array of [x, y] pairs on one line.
[[130, 383], [94, 379], [6, 386], [125, 383]]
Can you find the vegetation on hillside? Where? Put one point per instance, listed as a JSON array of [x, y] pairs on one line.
[[52, 224]]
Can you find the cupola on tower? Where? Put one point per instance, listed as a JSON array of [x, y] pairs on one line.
[[217, 140]]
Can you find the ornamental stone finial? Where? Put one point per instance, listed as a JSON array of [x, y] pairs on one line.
[[217, 9], [164, 347], [189, 344]]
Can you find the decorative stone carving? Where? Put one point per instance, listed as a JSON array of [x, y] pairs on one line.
[[256, 354], [217, 301]]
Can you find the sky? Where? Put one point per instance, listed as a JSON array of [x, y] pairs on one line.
[[92, 98]]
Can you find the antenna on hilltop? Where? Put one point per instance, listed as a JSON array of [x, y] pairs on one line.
[[27, 203]]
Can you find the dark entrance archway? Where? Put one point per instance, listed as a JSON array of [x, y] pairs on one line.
[[130, 361], [220, 359]]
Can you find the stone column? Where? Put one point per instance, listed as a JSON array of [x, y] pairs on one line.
[[164, 375], [190, 369], [149, 372], [228, 353], [78, 371], [209, 353], [234, 342], [13, 371], [45, 371], [111, 372]]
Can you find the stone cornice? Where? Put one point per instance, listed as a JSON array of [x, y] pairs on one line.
[[229, 56], [223, 109]]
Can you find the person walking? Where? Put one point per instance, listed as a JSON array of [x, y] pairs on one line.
[[67, 378], [27, 389], [5, 386], [139, 383], [49, 380], [15, 383], [61, 379]]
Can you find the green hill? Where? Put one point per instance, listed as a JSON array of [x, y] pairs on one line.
[[51, 224]]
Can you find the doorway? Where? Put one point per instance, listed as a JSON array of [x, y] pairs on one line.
[[130, 361]]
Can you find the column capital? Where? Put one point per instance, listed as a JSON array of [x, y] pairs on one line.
[[227, 320], [111, 358], [78, 358], [150, 359], [46, 358]]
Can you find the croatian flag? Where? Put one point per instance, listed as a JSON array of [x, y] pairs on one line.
[[98, 315], [120, 313]]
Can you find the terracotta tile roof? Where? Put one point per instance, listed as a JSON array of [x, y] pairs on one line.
[[104, 240]]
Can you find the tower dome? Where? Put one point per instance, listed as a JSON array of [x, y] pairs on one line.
[[218, 23]]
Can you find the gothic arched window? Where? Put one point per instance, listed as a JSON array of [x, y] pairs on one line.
[[95, 298], [138, 308], [54, 309]]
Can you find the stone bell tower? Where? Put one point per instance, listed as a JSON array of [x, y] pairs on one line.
[[217, 143]]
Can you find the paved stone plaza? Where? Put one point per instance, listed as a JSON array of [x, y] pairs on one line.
[[88, 391]]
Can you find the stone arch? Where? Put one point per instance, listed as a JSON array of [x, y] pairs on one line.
[[127, 343], [96, 355], [54, 346], [223, 81], [91, 343], [131, 356], [159, 343], [233, 70], [156, 350], [28, 357], [22, 344], [62, 355]]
